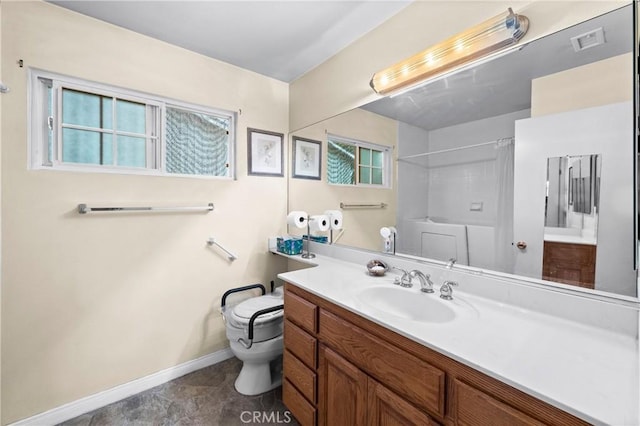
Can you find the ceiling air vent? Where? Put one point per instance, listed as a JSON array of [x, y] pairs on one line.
[[587, 40]]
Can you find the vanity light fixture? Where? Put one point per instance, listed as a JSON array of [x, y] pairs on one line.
[[471, 45]]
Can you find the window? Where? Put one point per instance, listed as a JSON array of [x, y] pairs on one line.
[[78, 125], [352, 162]]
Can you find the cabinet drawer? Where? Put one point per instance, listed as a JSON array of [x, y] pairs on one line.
[[300, 376], [304, 412], [300, 343], [301, 312], [473, 407], [419, 382]]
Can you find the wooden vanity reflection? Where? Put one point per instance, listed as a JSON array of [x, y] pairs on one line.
[[569, 263]]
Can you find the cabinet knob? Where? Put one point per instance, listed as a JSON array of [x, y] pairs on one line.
[[521, 245]]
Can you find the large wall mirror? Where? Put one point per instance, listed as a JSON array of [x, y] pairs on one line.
[[524, 164]]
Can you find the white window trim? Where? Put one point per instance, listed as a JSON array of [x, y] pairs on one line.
[[386, 165], [37, 129], [151, 133]]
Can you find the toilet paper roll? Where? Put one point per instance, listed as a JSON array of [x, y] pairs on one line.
[[297, 218], [335, 219], [319, 222]]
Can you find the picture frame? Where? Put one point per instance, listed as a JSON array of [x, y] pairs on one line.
[[265, 153], [307, 158]]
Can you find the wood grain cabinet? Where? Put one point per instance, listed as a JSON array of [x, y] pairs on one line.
[[343, 391], [569, 263], [342, 369]]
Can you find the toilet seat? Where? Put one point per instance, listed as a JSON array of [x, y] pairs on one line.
[[242, 312], [265, 327]]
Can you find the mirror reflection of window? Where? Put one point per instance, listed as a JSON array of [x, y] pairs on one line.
[[346, 156]]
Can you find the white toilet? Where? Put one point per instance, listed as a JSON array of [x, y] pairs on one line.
[[262, 355]]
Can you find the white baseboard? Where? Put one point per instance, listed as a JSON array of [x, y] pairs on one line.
[[98, 400]]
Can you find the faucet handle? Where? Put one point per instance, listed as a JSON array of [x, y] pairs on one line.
[[446, 290], [429, 287], [405, 280]]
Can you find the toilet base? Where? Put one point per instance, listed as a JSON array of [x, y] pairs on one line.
[[257, 378]]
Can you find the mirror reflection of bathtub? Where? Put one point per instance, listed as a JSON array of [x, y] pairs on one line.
[[440, 239]]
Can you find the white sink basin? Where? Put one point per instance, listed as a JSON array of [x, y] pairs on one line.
[[407, 304]]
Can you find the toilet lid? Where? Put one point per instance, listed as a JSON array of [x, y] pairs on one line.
[[243, 311]]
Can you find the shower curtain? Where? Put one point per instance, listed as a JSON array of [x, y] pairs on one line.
[[504, 224]]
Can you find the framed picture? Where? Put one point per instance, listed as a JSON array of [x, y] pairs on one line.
[[307, 157], [265, 152]]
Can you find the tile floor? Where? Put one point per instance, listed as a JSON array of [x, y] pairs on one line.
[[205, 397]]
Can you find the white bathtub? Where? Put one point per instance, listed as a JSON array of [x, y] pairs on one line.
[[434, 238]]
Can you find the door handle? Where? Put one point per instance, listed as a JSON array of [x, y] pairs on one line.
[[521, 245]]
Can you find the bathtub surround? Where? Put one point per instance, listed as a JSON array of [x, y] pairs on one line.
[[471, 216]]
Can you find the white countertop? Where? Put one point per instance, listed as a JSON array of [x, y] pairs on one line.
[[570, 235], [587, 371], [570, 239]]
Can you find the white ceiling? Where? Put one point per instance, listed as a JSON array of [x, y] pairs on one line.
[[279, 39]]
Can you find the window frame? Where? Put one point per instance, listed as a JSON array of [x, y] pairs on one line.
[[386, 162], [38, 128]]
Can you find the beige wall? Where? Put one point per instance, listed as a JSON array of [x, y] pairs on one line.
[[90, 302], [361, 226], [342, 82], [0, 220], [599, 83]]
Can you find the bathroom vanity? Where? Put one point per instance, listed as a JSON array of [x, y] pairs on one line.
[[357, 351], [340, 368]]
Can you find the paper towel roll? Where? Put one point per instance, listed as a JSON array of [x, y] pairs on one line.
[[335, 219], [319, 222], [297, 219]]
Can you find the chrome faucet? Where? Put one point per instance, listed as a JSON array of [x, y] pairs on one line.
[[405, 280], [446, 290], [426, 285]]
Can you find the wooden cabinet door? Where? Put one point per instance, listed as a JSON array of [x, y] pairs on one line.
[[388, 409], [342, 392], [566, 263]]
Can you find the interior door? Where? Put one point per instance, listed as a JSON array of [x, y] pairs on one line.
[[605, 130]]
